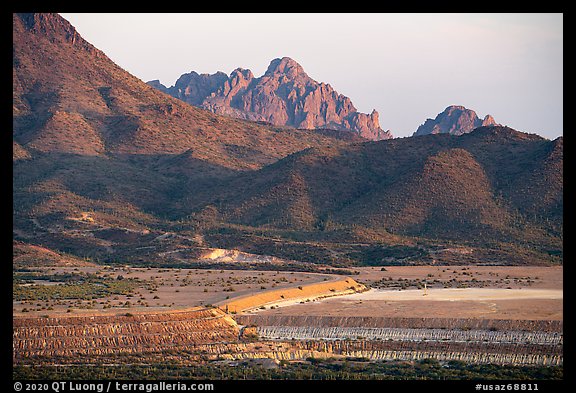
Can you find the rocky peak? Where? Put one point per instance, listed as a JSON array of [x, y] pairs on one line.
[[488, 121], [455, 108], [455, 120], [158, 85], [285, 95], [55, 28], [193, 88], [49, 24], [241, 73], [285, 66], [239, 79]]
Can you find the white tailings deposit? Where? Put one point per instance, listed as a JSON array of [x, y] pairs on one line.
[[402, 334], [457, 294]]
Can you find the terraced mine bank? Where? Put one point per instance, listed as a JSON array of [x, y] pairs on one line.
[[110, 315]]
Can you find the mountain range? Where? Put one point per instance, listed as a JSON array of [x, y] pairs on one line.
[[104, 165], [285, 95]]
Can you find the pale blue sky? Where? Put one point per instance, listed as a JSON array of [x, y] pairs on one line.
[[409, 67]]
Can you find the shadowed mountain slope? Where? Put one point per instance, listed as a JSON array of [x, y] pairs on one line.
[[479, 187]]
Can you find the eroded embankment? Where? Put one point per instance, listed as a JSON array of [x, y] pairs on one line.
[[518, 342], [409, 355], [139, 333], [209, 334], [201, 334], [415, 323], [286, 296], [403, 334], [528, 354]]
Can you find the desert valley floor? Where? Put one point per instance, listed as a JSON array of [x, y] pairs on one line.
[[511, 292], [477, 314]]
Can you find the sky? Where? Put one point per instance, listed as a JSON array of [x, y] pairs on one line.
[[409, 67]]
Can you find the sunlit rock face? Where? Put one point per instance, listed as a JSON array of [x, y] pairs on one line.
[[455, 120], [285, 96]]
